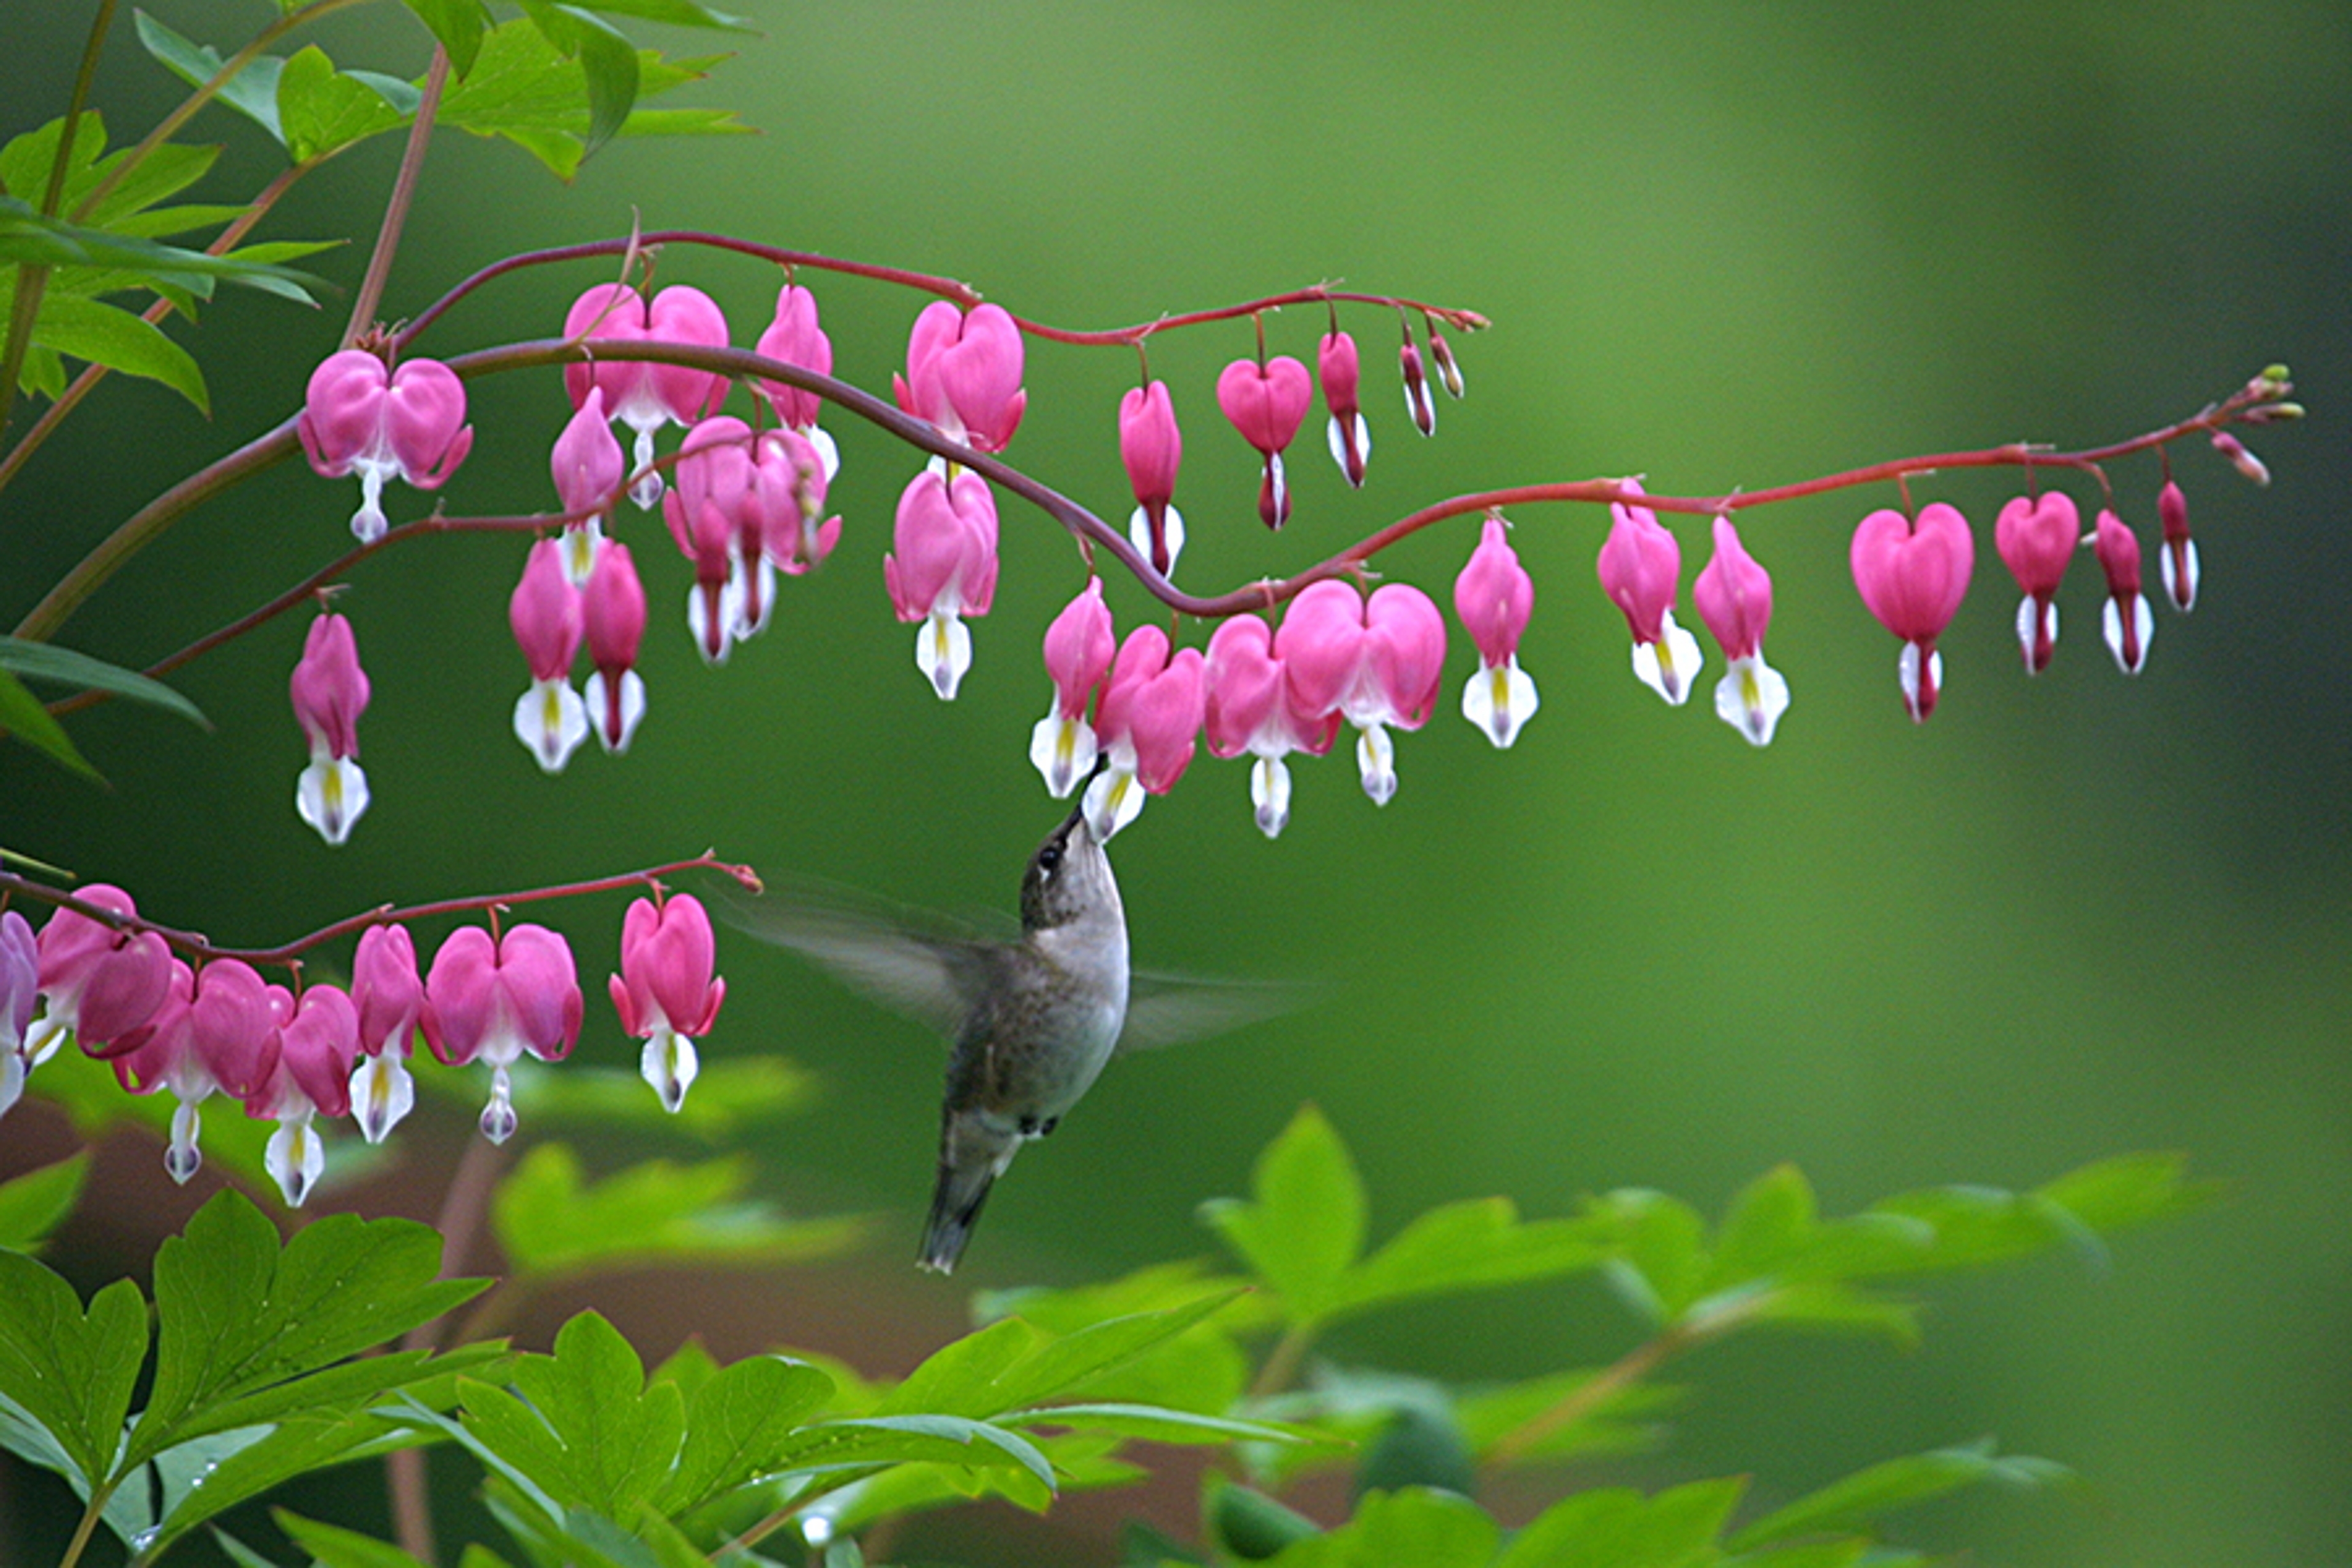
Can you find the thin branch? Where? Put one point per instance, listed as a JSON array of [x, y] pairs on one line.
[[197, 945], [404, 193]]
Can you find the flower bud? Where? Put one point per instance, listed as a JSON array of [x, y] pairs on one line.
[[545, 614], [2128, 622], [1350, 437], [1152, 447], [1417, 400], [2245, 462], [2179, 557]]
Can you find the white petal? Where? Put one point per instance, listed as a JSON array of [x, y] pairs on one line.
[[12, 1079], [760, 572], [648, 491], [43, 1038], [329, 795], [1906, 670], [369, 523], [296, 1157], [1171, 524], [551, 722], [1500, 700], [2027, 627], [596, 700], [184, 1158], [1112, 801], [827, 452], [943, 652], [1063, 750], [2143, 622], [1335, 435], [381, 1093], [582, 543], [1281, 487], [499, 1121], [712, 623], [1270, 793], [1671, 665], [2183, 594], [1424, 410], [1376, 761], [1751, 697], [669, 1064]]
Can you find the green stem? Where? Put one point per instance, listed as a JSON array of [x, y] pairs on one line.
[[1283, 1364], [32, 280], [404, 193], [1628, 1369], [90, 1516]]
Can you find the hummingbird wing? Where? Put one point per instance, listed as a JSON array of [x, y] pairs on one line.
[[1167, 1009], [913, 962]]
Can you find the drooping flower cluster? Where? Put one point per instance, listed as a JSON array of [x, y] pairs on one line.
[[218, 1027]]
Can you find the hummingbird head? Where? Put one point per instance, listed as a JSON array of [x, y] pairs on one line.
[[1068, 878]]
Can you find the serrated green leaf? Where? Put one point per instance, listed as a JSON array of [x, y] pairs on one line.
[[1849, 1505], [960, 1377], [1427, 1529], [1664, 1251], [912, 1439], [252, 93], [22, 715], [1075, 1359], [1158, 1423], [1304, 1224], [1470, 1246], [1768, 1224], [1616, 1528], [524, 90], [45, 661], [618, 1437], [67, 1369], [289, 1450], [36, 1203], [331, 1546], [1828, 1306], [458, 25], [348, 1388], [27, 237], [500, 1431], [237, 1316], [108, 336], [611, 64], [322, 111], [163, 172], [404, 97], [551, 1219], [678, 13], [739, 1421], [236, 1551]]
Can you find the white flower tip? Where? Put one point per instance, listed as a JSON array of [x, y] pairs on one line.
[[296, 1159], [582, 543], [1171, 527], [1112, 801], [668, 1063], [1500, 700], [499, 1118], [2037, 634], [551, 722], [1909, 671], [828, 452], [943, 652], [1376, 761], [2180, 575], [331, 794], [2129, 644], [749, 597], [1352, 446], [1751, 698], [1671, 665], [381, 1093], [12, 1080], [1270, 794], [614, 723], [1064, 751], [646, 491]]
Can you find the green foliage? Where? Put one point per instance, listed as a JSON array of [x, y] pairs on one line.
[[36, 1203], [64, 666]]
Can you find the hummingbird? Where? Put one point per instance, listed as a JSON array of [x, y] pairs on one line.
[[1031, 1021]]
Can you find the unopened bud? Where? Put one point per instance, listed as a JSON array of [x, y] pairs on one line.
[[2272, 414], [2245, 462], [1447, 369], [1416, 386]]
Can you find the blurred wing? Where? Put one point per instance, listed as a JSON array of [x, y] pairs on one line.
[[911, 962], [1165, 1009]]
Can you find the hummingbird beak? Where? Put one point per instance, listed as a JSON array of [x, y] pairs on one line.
[[1078, 811]]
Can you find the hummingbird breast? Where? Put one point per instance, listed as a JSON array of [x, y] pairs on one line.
[[1047, 1037]]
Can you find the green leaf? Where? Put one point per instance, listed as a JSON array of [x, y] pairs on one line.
[[526, 90], [1304, 1224], [291, 1448], [1665, 1251], [459, 26], [69, 1371], [331, 1546], [1626, 1422], [44, 661], [616, 1438], [1976, 1225], [738, 1423], [22, 715], [238, 1316], [611, 67], [1470, 1246], [1079, 1357], [1158, 1423], [678, 13], [1770, 1222], [322, 112], [1252, 1525], [1849, 1505], [1427, 1529], [36, 1203], [108, 336], [252, 93], [236, 1551], [27, 237], [1615, 1528], [550, 1220], [920, 1439], [960, 1377]]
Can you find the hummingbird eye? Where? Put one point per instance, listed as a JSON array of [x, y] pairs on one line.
[[1049, 858]]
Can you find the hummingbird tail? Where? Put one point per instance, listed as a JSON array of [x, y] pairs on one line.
[[955, 1209]]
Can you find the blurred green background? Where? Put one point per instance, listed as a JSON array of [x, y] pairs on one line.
[[1722, 245]]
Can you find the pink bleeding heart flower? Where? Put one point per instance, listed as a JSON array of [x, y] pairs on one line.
[[317, 1048], [1377, 663], [943, 568], [544, 612], [665, 992], [706, 510], [1417, 401], [588, 469], [1494, 596], [235, 1019], [494, 999], [390, 1000], [640, 394], [1152, 447], [777, 527], [1734, 595], [98, 984], [1640, 570], [360, 417], [613, 616], [1079, 647], [1913, 576], [167, 1059], [963, 374], [329, 691], [1148, 720], [2179, 557], [2037, 536], [1350, 437], [20, 988], [795, 339], [1248, 708], [1266, 403], [2128, 622]]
